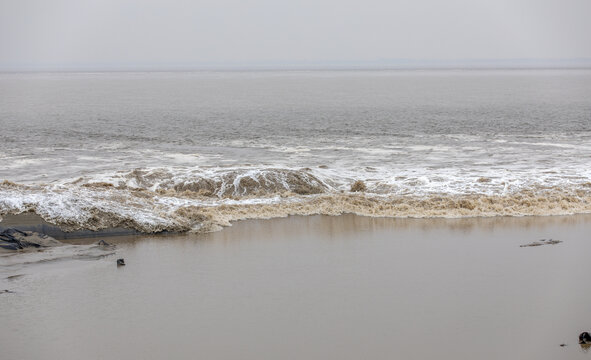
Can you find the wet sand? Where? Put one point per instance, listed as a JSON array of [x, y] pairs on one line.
[[316, 287]]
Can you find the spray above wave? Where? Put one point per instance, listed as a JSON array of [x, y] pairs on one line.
[[154, 200]]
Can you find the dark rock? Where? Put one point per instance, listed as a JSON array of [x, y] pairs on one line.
[[120, 262], [585, 338], [103, 243], [13, 239], [6, 292]]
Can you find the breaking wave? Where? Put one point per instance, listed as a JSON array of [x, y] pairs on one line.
[[200, 200]]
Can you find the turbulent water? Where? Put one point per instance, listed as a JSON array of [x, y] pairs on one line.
[[195, 151]]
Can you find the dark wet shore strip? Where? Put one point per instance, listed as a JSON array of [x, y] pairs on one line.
[[30, 221], [33, 222]]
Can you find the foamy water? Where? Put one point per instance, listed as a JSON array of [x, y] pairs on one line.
[[196, 151]]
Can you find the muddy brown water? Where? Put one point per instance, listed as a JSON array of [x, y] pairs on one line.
[[316, 287]]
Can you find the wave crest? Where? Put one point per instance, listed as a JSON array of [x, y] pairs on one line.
[[229, 183], [177, 206]]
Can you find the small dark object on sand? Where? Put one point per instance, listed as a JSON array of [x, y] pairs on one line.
[[120, 262], [585, 338], [562, 345], [6, 292]]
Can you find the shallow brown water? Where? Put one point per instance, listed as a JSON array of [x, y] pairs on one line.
[[314, 287]]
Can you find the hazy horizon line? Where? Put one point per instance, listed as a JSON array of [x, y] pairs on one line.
[[386, 64]]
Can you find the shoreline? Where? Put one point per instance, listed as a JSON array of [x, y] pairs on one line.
[[29, 221]]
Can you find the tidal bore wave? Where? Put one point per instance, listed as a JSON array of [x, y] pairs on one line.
[[155, 200]]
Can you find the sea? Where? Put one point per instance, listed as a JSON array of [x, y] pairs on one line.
[[197, 151]]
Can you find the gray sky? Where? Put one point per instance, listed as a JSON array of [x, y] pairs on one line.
[[167, 34]]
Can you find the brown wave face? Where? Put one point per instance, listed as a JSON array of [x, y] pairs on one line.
[[522, 204], [149, 211], [266, 182]]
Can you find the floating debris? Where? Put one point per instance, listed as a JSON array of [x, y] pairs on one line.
[[14, 277], [542, 242], [103, 245], [358, 186]]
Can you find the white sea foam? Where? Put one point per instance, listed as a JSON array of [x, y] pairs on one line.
[[182, 199]]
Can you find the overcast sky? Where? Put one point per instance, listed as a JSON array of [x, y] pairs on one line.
[[168, 33]]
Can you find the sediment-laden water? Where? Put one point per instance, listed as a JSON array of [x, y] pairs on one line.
[[195, 151]]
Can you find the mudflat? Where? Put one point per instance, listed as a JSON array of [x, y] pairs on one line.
[[315, 287]]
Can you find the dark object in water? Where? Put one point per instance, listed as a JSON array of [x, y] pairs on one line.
[[120, 262], [13, 239], [358, 186], [585, 338], [542, 242], [14, 277], [103, 245], [6, 292]]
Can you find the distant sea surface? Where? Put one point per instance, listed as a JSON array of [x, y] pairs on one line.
[[193, 151]]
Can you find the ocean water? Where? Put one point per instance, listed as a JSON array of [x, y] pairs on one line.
[[194, 151]]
